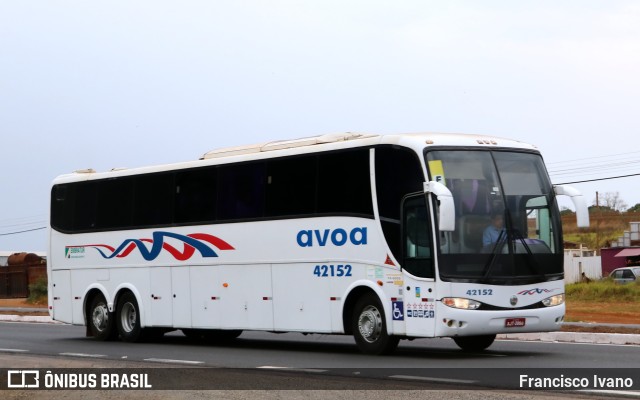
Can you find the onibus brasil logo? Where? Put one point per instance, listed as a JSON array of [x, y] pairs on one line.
[[202, 242]]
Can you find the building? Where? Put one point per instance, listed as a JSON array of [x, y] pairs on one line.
[[624, 252], [4, 256]]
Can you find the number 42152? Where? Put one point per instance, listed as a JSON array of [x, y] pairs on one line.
[[322, 271]]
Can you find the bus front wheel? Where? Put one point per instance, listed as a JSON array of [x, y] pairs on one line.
[[370, 328], [128, 318], [474, 343]]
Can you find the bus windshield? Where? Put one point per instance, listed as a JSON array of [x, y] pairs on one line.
[[507, 225]]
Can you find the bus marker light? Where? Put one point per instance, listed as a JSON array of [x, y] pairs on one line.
[[225, 285], [380, 283]]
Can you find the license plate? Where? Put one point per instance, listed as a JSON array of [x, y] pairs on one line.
[[514, 322]]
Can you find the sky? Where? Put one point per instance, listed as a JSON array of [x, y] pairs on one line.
[[104, 84]]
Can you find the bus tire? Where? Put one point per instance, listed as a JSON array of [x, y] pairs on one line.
[[100, 320], [128, 318], [474, 343], [369, 327]]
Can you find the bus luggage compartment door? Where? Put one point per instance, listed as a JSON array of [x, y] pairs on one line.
[[61, 287]]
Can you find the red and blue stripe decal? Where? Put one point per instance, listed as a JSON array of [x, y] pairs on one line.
[[201, 242]]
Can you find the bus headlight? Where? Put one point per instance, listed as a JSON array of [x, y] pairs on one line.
[[553, 300], [458, 302]]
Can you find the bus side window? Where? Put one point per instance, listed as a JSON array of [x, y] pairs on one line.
[[344, 183], [85, 205], [195, 194], [291, 186], [417, 243], [398, 173], [153, 199], [241, 191]]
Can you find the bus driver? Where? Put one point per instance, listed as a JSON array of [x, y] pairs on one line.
[[495, 231]]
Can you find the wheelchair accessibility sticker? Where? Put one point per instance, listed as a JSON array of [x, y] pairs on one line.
[[397, 310]]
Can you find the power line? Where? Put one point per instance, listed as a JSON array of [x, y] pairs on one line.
[[27, 230], [591, 158], [25, 224], [609, 164], [20, 223], [599, 179]]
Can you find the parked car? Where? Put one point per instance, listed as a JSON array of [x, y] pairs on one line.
[[625, 275]]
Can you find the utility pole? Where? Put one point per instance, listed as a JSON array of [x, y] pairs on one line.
[[597, 214]]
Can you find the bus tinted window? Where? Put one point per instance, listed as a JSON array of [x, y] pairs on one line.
[[291, 186], [392, 185], [84, 205], [305, 185], [114, 204], [344, 183], [153, 199], [195, 195], [241, 191], [61, 209]]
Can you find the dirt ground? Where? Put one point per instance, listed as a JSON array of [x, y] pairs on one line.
[[603, 312], [21, 303]]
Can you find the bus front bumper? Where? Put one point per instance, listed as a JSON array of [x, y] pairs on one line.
[[458, 322]]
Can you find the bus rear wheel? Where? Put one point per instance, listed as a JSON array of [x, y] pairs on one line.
[[370, 328], [100, 320], [128, 318], [474, 343]]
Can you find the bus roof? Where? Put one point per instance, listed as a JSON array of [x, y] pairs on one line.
[[416, 141], [440, 139]]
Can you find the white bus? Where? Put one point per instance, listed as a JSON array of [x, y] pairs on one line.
[[383, 237]]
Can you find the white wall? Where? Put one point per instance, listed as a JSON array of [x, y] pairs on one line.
[[575, 266]]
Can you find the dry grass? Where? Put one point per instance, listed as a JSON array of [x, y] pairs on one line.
[[603, 291], [605, 227]]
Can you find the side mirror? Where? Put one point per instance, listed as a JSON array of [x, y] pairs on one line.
[[446, 210], [582, 211]]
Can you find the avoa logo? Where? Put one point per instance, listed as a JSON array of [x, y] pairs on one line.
[[337, 237]]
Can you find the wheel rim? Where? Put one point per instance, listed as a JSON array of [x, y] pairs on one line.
[[100, 317], [370, 324], [128, 317]]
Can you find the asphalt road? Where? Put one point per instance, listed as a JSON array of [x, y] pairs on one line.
[[259, 360]]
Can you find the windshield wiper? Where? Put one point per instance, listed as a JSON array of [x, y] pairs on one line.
[[487, 268], [532, 261]]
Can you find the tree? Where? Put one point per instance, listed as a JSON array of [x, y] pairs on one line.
[[566, 211], [612, 201], [635, 208], [594, 208]]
